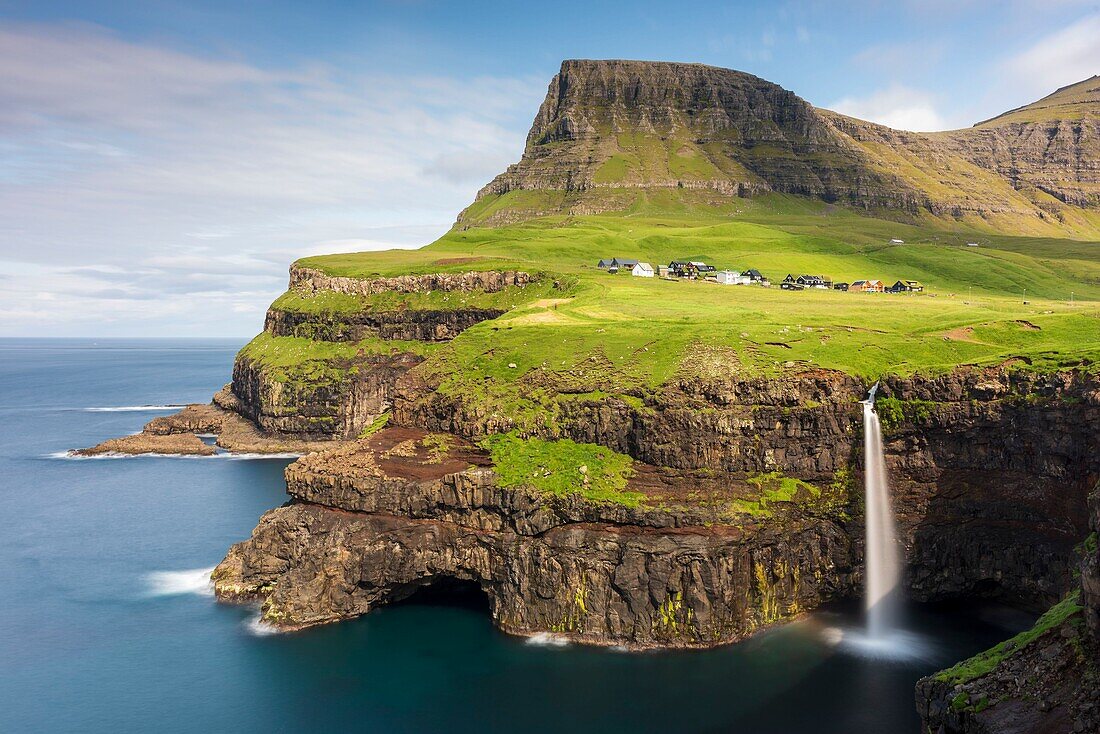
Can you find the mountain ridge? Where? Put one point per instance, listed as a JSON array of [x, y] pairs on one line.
[[609, 131]]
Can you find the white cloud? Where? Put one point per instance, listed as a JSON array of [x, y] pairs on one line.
[[186, 174], [1064, 57], [896, 106]]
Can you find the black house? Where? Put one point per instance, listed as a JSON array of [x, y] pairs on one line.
[[813, 281], [682, 269], [754, 275], [840, 286]]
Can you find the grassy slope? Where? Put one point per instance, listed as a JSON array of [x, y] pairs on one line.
[[645, 326]]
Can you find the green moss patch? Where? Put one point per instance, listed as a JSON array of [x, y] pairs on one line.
[[562, 467], [984, 662]]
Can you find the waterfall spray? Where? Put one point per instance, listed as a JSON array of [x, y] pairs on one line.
[[881, 551]]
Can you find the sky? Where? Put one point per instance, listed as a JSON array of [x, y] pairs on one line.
[[162, 163]]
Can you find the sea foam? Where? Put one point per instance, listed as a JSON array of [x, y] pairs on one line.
[[546, 639], [175, 583], [134, 408]]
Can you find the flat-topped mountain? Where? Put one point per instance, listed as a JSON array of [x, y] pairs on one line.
[[612, 132]]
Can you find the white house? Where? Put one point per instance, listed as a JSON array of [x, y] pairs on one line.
[[897, 242], [732, 277], [971, 244], [642, 270]]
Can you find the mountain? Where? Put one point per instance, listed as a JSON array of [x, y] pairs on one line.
[[612, 132]]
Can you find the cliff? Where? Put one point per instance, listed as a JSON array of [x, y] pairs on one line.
[[609, 131], [1046, 679], [733, 518]]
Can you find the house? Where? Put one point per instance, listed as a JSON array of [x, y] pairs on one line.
[[604, 264], [642, 270], [813, 281], [906, 286], [897, 242], [703, 267], [755, 276], [732, 277], [867, 286], [791, 285], [623, 263], [663, 271], [612, 270], [840, 286], [682, 269], [971, 244]]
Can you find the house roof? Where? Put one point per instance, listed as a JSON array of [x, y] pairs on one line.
[[643, 266]]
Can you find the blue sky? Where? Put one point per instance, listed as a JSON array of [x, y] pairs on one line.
[[161, 163]]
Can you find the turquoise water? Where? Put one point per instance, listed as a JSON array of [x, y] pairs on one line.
[[94, 639]]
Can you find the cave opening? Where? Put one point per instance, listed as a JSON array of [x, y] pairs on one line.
[[448, 591]]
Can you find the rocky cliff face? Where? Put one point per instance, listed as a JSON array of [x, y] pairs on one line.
[[1044, 680], [610, 127], [1052, 145], [340, 395], [374, 522], [410, 325], [990, 485], [990, 468]]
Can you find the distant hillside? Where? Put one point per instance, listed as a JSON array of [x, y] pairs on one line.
[[610, 133]]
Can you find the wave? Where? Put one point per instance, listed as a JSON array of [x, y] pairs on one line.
[[258, 627], [71, 455], [547, 639], [133, 408], [175, 583]]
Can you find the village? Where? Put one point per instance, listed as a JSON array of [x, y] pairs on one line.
[[694, 270]]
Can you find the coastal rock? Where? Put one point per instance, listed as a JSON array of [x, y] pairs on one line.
[[372, 524], [183, 444]]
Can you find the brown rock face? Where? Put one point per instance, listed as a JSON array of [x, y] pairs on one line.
[[411, 325], [598, 573], [990, 468], [336, 408], [489, 281], [1050, 683]]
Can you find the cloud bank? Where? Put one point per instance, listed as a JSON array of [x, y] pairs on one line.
[[142, 186]]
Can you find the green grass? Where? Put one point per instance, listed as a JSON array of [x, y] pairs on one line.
[[555, 467], [773, 488], [983, 663], [623, 337]]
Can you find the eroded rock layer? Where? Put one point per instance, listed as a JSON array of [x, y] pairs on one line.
[[1045, 680], [990, 468], [374, 522]]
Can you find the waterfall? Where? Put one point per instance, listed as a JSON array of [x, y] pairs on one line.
[[881, 551]]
